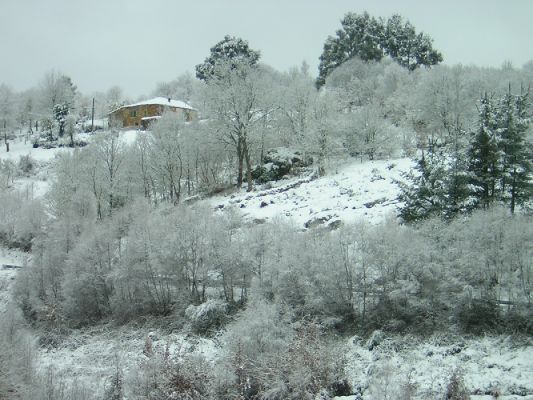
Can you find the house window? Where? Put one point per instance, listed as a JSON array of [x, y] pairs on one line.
[[133, 113]]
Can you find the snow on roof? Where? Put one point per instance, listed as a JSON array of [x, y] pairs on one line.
[[162, 101], [150, 118]]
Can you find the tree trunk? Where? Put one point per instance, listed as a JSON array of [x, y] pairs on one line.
[[240, 162], [513, 192], [248, 166]]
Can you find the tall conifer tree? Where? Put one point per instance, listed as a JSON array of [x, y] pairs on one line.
[[483, 155], [424, 193], [515, 152]]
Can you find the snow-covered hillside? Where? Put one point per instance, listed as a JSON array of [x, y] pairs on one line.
[[356, 192], [352, 192]]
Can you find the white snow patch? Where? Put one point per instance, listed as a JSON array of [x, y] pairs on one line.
[[129, 136]]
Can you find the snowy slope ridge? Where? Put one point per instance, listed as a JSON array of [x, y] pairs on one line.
[[356, 192]]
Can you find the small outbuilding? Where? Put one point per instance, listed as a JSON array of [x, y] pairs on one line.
[[140, 115]]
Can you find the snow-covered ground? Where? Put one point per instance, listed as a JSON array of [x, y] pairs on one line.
[[90, 356], [20, 146], [488, 364], [358, 191]]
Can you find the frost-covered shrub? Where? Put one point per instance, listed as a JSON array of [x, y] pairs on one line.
[[519, 319], [278, 163], [26, 164], [17, 353], [391, 316], [313, 366], [20, 220], [162, 376], [480, 316], [114, 388], [8, 172], [207, 316], [189, 379], [53, 385], [386, 383], [456, 389], [268, 357], [252, 345], [51, 338]]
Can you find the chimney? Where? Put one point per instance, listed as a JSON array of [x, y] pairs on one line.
[[169, 99]]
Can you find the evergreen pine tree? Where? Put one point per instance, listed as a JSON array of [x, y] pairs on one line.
[[483, 156], [361, 35], [515, 152], [406, 47], [371, 38], [232, 52], [458, 199], [496, 165], [424, 193]]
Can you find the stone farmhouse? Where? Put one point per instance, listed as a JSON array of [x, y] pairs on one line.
[[140, 115]]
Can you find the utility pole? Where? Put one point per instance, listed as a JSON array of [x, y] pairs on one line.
[[92, 118]]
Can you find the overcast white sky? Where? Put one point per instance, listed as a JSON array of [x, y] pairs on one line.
[[136, 43]]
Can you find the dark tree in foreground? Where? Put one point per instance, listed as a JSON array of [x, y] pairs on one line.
[[232, 50], [369, 38]]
